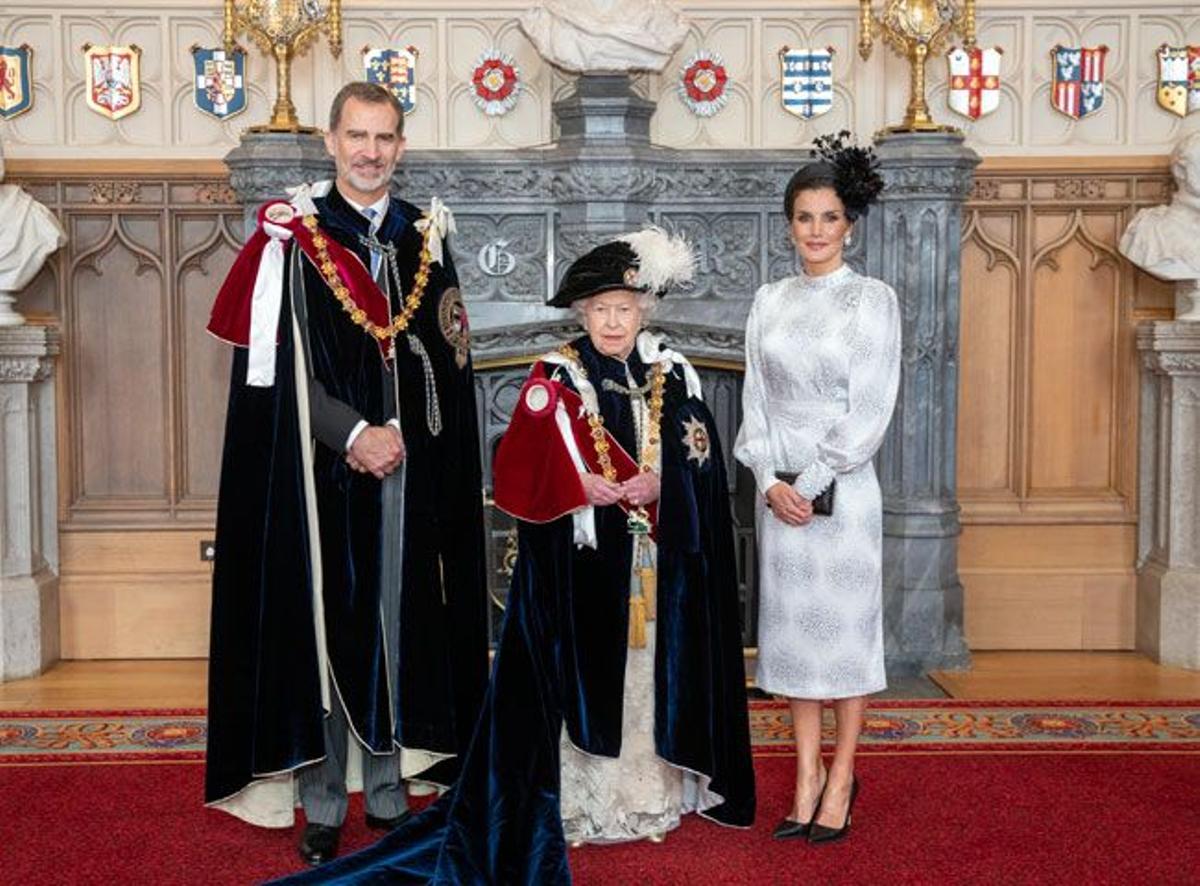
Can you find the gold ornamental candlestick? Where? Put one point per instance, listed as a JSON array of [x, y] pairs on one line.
[[916, 29], [284, 29]]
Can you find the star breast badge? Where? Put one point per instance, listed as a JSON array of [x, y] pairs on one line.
[[695, 437]]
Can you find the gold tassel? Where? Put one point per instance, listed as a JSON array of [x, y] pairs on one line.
[[637, 623], [649, 581]]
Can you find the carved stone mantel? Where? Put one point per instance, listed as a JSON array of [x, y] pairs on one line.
[[547, 207], [1168, 591], [29, 626]]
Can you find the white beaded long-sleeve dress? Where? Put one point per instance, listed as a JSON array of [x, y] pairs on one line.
[[822, 372]]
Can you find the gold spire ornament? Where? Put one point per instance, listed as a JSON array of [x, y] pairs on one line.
[[284, 29], [917, 29]]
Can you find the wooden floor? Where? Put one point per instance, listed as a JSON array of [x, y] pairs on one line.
[[1114, 676], [110, 685]]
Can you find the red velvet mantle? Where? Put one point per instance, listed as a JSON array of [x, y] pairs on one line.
[[230, 320], [535, 478]]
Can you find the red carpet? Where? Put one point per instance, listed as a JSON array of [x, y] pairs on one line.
[[1104, 816]]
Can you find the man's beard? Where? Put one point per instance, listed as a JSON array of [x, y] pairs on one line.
[[363, 180]]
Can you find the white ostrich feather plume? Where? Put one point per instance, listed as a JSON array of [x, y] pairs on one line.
[[663, 260]]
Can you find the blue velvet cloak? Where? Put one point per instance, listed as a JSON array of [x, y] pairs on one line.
[[562, 659], [265, 713]]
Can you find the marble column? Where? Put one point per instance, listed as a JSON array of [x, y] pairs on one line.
[[1168, 590], [265, 164], [913, 244], [29, 641], [602, 176]]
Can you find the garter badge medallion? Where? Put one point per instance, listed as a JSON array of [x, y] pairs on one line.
[[452, 318], [695, 438]]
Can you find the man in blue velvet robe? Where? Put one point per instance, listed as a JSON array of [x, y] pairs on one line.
[[349, 596]]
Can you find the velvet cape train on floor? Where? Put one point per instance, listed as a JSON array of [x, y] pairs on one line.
[[423, 688], [562, 658]]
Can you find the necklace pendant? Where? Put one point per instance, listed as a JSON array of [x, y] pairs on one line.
[[638, 522]]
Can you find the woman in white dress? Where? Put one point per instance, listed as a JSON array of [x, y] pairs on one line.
[[822, 371]]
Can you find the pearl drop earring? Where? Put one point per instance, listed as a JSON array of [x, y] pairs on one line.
[[846, 241]]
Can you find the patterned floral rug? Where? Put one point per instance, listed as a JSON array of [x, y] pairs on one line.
[[39, 737], [946, 725]]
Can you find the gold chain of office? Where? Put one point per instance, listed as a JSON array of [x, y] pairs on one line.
[[643, 602], [335, 283], [649, 454]]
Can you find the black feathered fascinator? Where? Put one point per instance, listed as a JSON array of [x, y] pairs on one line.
[[853, 170]]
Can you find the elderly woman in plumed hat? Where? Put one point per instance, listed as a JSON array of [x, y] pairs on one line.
[[617, 700]]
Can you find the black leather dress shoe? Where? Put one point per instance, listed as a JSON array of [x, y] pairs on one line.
[[787, 829], [319, 843], [376, 823]]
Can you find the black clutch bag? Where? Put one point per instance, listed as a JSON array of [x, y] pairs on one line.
[[823, 503]]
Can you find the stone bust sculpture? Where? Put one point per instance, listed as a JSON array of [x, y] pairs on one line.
[[1164, 240], [30, 233], [593, 36]]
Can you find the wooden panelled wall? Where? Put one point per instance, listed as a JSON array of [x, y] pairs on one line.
[[1047, 431], [142, 390], [1047, 435]]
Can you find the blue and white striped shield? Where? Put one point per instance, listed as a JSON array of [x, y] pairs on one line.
[[807, 76]]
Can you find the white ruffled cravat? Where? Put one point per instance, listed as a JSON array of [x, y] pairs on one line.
[[650, 348], [439, 221]]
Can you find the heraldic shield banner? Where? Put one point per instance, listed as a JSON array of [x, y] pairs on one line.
[[807, 75], [113, 79], [974, 81], [220, 81], [1078, 88], [397, 70], [16, 83], [1179, 79]]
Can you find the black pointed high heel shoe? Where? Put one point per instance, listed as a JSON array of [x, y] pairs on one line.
[[790, 829], [819, 833]]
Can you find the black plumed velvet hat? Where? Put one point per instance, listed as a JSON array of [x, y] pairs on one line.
[[649, 260]]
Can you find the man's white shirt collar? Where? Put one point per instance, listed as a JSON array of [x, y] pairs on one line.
[[380, 207]]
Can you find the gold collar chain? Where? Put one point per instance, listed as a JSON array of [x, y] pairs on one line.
[[643, 596], [335, 283], [649, 453]]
